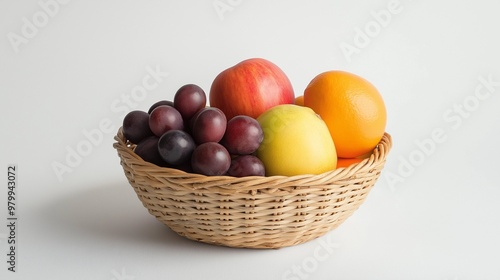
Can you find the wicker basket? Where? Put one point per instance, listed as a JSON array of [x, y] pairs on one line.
[[251, 212]]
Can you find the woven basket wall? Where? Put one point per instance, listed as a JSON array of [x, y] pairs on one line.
[[251, 212]]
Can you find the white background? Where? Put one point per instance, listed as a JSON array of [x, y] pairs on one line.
[[433, 214]]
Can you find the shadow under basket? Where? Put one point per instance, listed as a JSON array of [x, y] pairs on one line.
[[251, 212]]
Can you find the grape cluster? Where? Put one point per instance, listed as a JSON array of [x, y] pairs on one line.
[[187, 135]]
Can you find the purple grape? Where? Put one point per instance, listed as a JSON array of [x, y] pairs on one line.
[[189, 99], [136, 126], [210, 159], [164, 118], [147, 149], [175, 147], [193, 119], [186, 167], [246, 165], [209, 125], [243, 135], [159, 103]]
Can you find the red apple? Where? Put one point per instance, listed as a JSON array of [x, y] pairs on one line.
[[250, 88]]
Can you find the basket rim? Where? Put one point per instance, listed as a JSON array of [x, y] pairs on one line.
[[377, 157]]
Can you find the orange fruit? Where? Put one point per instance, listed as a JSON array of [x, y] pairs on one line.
[[345, 162], [299, 100], [352, 108]]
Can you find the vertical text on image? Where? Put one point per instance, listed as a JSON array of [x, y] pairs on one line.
[[454, 118], [12, 219]]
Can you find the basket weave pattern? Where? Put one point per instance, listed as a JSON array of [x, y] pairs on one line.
[[251, 212]]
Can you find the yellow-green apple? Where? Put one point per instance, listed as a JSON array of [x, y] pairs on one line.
[[296, 141], [250, 88]]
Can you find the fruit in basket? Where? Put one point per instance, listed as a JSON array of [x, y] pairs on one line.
[[176, 147], [159, 103], [255, 126], [345, 162], [246, 165], [147, 149], [189, 99], [250, 88], [164, 118], [136, 126], [174, 129], [296, 141], [209, 125], [299, 100], [243, 135], [351, 107], [210, 158]]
